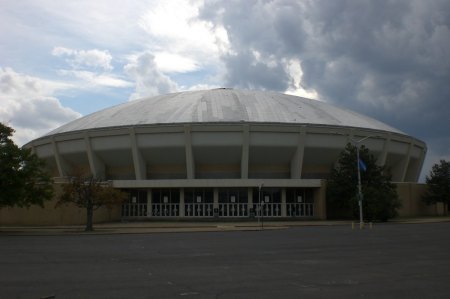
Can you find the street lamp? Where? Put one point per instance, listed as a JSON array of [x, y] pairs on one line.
[[260, 218], [360, 195], [356, 142]]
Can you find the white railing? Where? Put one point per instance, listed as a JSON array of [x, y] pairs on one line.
[[134, 210], [199, 210], [225, 210], [268, 209], [165, 209], [300, 209], [233, 209]]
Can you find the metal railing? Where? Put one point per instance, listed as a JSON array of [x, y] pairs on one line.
[[300, 209], [225, 210], [268, 209], [165, 209], [233, 210], [134, 210], [199, 209]]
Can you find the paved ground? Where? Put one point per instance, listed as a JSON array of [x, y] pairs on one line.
[[388, 261]]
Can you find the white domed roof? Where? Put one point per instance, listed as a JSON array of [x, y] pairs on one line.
[[223, 106]]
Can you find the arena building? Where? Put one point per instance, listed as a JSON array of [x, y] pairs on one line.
[[223, 153]]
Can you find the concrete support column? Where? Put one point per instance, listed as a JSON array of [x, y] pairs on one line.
[[140, 170], [382, 158], [320, 207], [245, 150], [149, 203], [97, 167], [406, 163], [421, 159], [33, 149], [182, 213], [216, 198], [63, 167], [297, 159], [190, 162], [283, 202], [250, 197]]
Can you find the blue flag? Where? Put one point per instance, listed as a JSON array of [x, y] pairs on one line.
[[362, 165]]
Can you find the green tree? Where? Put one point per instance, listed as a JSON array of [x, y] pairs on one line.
[[380, 199], [23, 178], [90, 193], [438, 184]]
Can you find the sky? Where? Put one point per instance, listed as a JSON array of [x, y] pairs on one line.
[[388, 59]]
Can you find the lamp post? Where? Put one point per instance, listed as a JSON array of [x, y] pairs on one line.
[[360, 195], [260, 218]]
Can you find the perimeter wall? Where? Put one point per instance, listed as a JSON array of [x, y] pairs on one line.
[[409, 193]]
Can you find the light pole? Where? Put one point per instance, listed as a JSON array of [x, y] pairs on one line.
[[360, 195], [260, 219]]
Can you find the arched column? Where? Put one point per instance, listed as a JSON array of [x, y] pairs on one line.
[[190, 164], [381, 161], [63, 167], [297, 159], [406, 163], [97, 167], [140, 170], [245, 151]]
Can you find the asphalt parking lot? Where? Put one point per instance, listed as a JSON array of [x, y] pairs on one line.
[[388, 261]]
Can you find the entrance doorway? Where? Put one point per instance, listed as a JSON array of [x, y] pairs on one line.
[[199, 202], [233, 202]]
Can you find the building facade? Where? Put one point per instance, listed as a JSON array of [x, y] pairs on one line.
[[223, 153]]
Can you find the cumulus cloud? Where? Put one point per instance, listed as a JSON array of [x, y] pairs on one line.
[[180, 41], [148, 78], [85, 58], [93, 67], [28, 105], [93, 79], [386, 59]]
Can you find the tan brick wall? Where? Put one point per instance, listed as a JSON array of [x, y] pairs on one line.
[[412, 205], [51, 215]]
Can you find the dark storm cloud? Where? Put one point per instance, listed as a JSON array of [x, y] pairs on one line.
[[386, 59], [254, 74]]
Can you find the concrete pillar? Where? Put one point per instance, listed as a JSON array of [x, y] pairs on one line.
[[139, 165], [190, 162], [406, 162], [320, 207], [381, 161], [422, 160], [216, 198], [33, 149], [182, 213], [96, 165], [63, 168], [297, 159], [250, 197], [149, 203], [283, 202], [245, 151]]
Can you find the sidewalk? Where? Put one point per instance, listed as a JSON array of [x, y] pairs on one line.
[[166, 227]]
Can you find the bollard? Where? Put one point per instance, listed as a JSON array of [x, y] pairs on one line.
[[361, 225], [353, 225], [370, 225]]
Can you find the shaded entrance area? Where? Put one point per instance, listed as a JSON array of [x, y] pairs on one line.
[[223, 202]]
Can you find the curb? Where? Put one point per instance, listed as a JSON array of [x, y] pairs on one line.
[[157, 227]]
